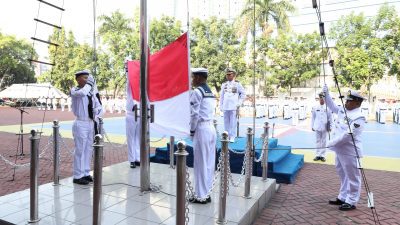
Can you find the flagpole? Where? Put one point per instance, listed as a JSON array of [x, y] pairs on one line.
[[144, 121]]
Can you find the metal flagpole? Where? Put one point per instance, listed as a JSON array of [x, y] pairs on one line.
[[144, 121]]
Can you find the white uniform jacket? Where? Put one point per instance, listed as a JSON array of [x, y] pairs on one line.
[[232, 95], [321, 118], [202, 102], [341, 141]]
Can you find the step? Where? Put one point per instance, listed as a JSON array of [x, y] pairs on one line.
[[275, 156], [286, 170]]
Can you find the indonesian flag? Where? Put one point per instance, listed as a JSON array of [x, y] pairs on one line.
[[168, 88]]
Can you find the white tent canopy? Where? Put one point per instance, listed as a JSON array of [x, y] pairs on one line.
[[32, 91]]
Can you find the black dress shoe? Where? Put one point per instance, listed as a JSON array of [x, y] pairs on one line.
[[336, 202], [88, 178], [198, 201], [316, 158], [137, 163], [81, 181], [347, 207], [133, 165], [322, 159]]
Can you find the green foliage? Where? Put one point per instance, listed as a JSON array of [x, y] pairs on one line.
[[215, 46], [265, 11], [14, 61], [292, 58], [163, 32]]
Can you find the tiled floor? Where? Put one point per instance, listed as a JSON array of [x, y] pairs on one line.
[[123, 203]]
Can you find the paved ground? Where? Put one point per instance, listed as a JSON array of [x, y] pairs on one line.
[[304, 202]]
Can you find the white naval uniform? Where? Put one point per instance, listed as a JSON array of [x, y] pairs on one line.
[[202, 105], [396, 113], [232, 96], [321, 118], [295, 113], [382, 109], [346, 157], [365, 108], [83, 128], [286, 114], [132, 127], [62, 104]]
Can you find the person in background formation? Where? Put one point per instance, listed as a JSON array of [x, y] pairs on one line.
[[86, 108], [381, 110], [69, 103], [202, 130], [286, 113], [295, 112], [54, 103], [302, 109], [232, 96], [348, 147], [321, 119], [42, 103], [62, 103], [365, 109], [48, 103], [396, 112], [132, 127], [111, 103]]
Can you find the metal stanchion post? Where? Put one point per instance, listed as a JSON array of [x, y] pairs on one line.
[[181, 182], [171, 151], [97, 177], [264, 163], [56, 153], [223, 180], [249, 162], [34, 210], [101, 123]]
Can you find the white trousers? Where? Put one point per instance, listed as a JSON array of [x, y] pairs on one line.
[[204, 141], [133, 138], [295, 117], [83, 132], [382, 116], [320, 140], [230, 122], [286, 112], [350, 178]]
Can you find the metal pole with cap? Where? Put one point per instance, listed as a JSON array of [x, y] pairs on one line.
[[265, 152], [144, 119], [34, 203], [249, 162], [171, 151], [181, 182], [101, 125], [56, 153], [97, 177], [223, 180]]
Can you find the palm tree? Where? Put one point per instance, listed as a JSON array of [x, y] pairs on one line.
[[265, 10]]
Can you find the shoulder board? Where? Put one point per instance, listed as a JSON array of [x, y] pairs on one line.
[[237, 81], [205, 91]]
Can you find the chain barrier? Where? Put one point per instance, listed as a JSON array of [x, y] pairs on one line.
[[242, 173], [113, 144], [261, 156], [216, 173], [49, 143], [64, 145], [189, 191]]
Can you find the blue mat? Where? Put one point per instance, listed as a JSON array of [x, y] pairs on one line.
[[282, 164]]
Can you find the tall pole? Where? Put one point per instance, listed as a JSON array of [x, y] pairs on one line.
[[144, 120], [94, 40]]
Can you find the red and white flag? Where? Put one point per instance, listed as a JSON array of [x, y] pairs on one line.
[[168, 87]]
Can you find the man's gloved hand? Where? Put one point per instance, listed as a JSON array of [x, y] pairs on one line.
[[325, 89], [90, 80]]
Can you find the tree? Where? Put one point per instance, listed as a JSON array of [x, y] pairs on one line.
[[163, 32], [14, 61], [215, 46], [265, 10], [361, 55], [292, 58]]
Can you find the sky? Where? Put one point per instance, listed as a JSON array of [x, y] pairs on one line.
[[16, 16]]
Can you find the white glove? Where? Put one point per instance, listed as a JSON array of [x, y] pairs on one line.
[[90, 80], [325, 89]]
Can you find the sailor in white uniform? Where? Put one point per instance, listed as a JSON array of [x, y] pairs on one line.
[[202, 104], [347, 151], [286, 109], [295, 112], [381, 111], [321, 119], [132, 127], [86, 108], [232, 96]]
